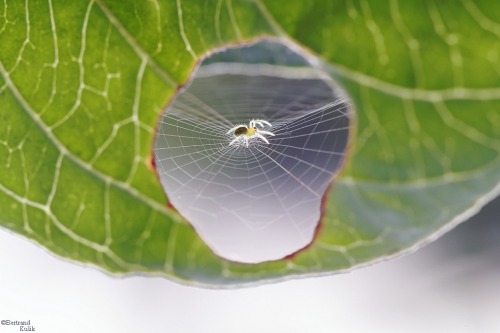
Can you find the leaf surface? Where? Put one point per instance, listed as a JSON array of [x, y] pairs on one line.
[[82, 85]]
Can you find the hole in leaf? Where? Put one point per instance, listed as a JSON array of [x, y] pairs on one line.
[[247, 150]]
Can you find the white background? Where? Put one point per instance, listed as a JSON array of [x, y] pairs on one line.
[[452, 285]]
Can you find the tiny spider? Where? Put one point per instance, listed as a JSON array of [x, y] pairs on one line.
[[244, 132]]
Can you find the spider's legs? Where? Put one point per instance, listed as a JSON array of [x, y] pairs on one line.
[[257, 135], [234, 141], [265, 133], [246, 140], [260, 122]]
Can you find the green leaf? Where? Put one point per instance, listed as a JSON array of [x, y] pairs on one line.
[[82, 85]]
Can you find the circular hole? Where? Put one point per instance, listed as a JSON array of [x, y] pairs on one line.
[[248, 149]]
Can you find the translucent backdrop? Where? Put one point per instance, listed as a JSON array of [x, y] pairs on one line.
[[260, 202]]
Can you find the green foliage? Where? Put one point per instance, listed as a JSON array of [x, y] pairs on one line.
[[82, 84]]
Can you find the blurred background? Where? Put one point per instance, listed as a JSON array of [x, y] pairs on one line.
[[451, 285]]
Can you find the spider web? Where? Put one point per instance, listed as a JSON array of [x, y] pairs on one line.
[[262, 202]]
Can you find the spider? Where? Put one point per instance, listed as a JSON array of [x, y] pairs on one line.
[[244, 132]]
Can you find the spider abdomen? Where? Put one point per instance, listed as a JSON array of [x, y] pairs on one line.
[[242, 133], [242, 130]]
